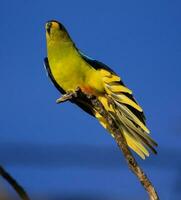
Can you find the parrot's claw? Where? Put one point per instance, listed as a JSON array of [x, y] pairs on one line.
[[68, 96], [65, 97]]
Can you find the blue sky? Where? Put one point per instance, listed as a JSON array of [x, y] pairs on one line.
[[58, 150]]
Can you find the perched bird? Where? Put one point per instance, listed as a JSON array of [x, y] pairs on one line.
[[69, 69]]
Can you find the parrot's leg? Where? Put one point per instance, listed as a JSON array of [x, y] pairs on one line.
[[68, 96]]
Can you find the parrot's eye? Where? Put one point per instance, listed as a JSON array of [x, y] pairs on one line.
[[48, 27]]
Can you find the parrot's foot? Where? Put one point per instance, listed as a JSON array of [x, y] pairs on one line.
[[68, 96]]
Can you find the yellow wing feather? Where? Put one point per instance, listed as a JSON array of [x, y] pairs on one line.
[[133, 128]]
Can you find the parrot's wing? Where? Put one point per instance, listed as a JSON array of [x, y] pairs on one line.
[[104, 68], [80, 102], [123, 108], [95, 63]]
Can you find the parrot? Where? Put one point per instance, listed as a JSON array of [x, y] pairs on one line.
[[68, 69]]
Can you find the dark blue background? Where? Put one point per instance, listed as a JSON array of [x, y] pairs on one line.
[[58, 151]]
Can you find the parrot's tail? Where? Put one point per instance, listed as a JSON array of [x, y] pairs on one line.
[[126, 113], [133, 129]]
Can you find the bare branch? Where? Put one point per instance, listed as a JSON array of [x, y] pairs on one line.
[[119, 137], [19, 189], [66, 97]]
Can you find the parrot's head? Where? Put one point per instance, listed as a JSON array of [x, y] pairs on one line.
[[56, 32]]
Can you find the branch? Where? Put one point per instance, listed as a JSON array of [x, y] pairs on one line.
[[66, 97], [119, 137], [19, 189]]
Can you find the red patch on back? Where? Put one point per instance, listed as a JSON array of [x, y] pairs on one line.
[[87, 90]]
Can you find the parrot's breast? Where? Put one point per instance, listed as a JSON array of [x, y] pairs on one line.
[[71, 72]]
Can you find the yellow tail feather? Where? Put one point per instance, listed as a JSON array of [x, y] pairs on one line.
[[133, 140]]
